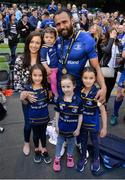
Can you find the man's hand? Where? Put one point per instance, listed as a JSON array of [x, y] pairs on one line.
[[100, 96], [76, 132], [103, 132]]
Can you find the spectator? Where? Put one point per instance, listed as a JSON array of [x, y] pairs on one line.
[[24, 28], [13, 37], [52, 8], [2, 34], [111, 49], [33, 20], [18, 12], [45, 22]]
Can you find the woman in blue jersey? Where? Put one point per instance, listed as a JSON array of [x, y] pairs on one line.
[[38, 110], [68, 120], [91, 124]]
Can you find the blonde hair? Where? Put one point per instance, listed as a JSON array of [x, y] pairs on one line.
[[98, 32]]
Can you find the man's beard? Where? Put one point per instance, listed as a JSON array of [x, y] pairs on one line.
[[68, 33]]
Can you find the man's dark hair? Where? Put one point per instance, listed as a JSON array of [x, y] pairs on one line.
[[46, 13], [64, 10]]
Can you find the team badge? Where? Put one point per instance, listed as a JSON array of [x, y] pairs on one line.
[[74, 110]]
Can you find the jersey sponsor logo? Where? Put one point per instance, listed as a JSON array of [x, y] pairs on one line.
[[72, 62], [74, 110], [89, 103]]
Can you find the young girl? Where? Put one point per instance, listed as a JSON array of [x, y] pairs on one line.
[[91, 122], [68, 120], [49, 57], [38, 110]]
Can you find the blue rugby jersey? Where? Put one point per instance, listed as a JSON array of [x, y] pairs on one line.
[[83, 49], [121, 82], [38, 111], [48, 54], [90, 109], [69, 112]]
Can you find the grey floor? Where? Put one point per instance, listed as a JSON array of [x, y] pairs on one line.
[[13, 163]]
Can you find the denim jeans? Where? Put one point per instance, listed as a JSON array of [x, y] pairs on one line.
[[84, 140], [27, 125], [70, 145]]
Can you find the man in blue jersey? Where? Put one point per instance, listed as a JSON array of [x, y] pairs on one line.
[[74, 49], [120, 94]]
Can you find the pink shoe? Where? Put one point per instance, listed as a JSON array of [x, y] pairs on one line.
[[70, 161], [56, 164]]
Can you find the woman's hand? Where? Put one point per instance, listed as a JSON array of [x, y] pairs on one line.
[[31, 97], [23, 95], [27, 95]]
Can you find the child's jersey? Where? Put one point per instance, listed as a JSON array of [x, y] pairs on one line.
[[69, 112], [48, 55], [90, 109], [38, 111]]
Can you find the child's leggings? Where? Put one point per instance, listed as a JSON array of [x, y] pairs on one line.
[[53, 81]]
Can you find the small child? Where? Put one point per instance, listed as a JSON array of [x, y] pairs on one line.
[[91, 122], [38, 110], [68, 120], [48, 57]]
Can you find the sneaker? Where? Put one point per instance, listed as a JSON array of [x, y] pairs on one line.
[[37, 157], [70, 161], [56, 165], [81, 165], [113, 120], [95, 166], [1, 129], [46, 158]]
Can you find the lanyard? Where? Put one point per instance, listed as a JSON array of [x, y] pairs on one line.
[[64, 60]]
